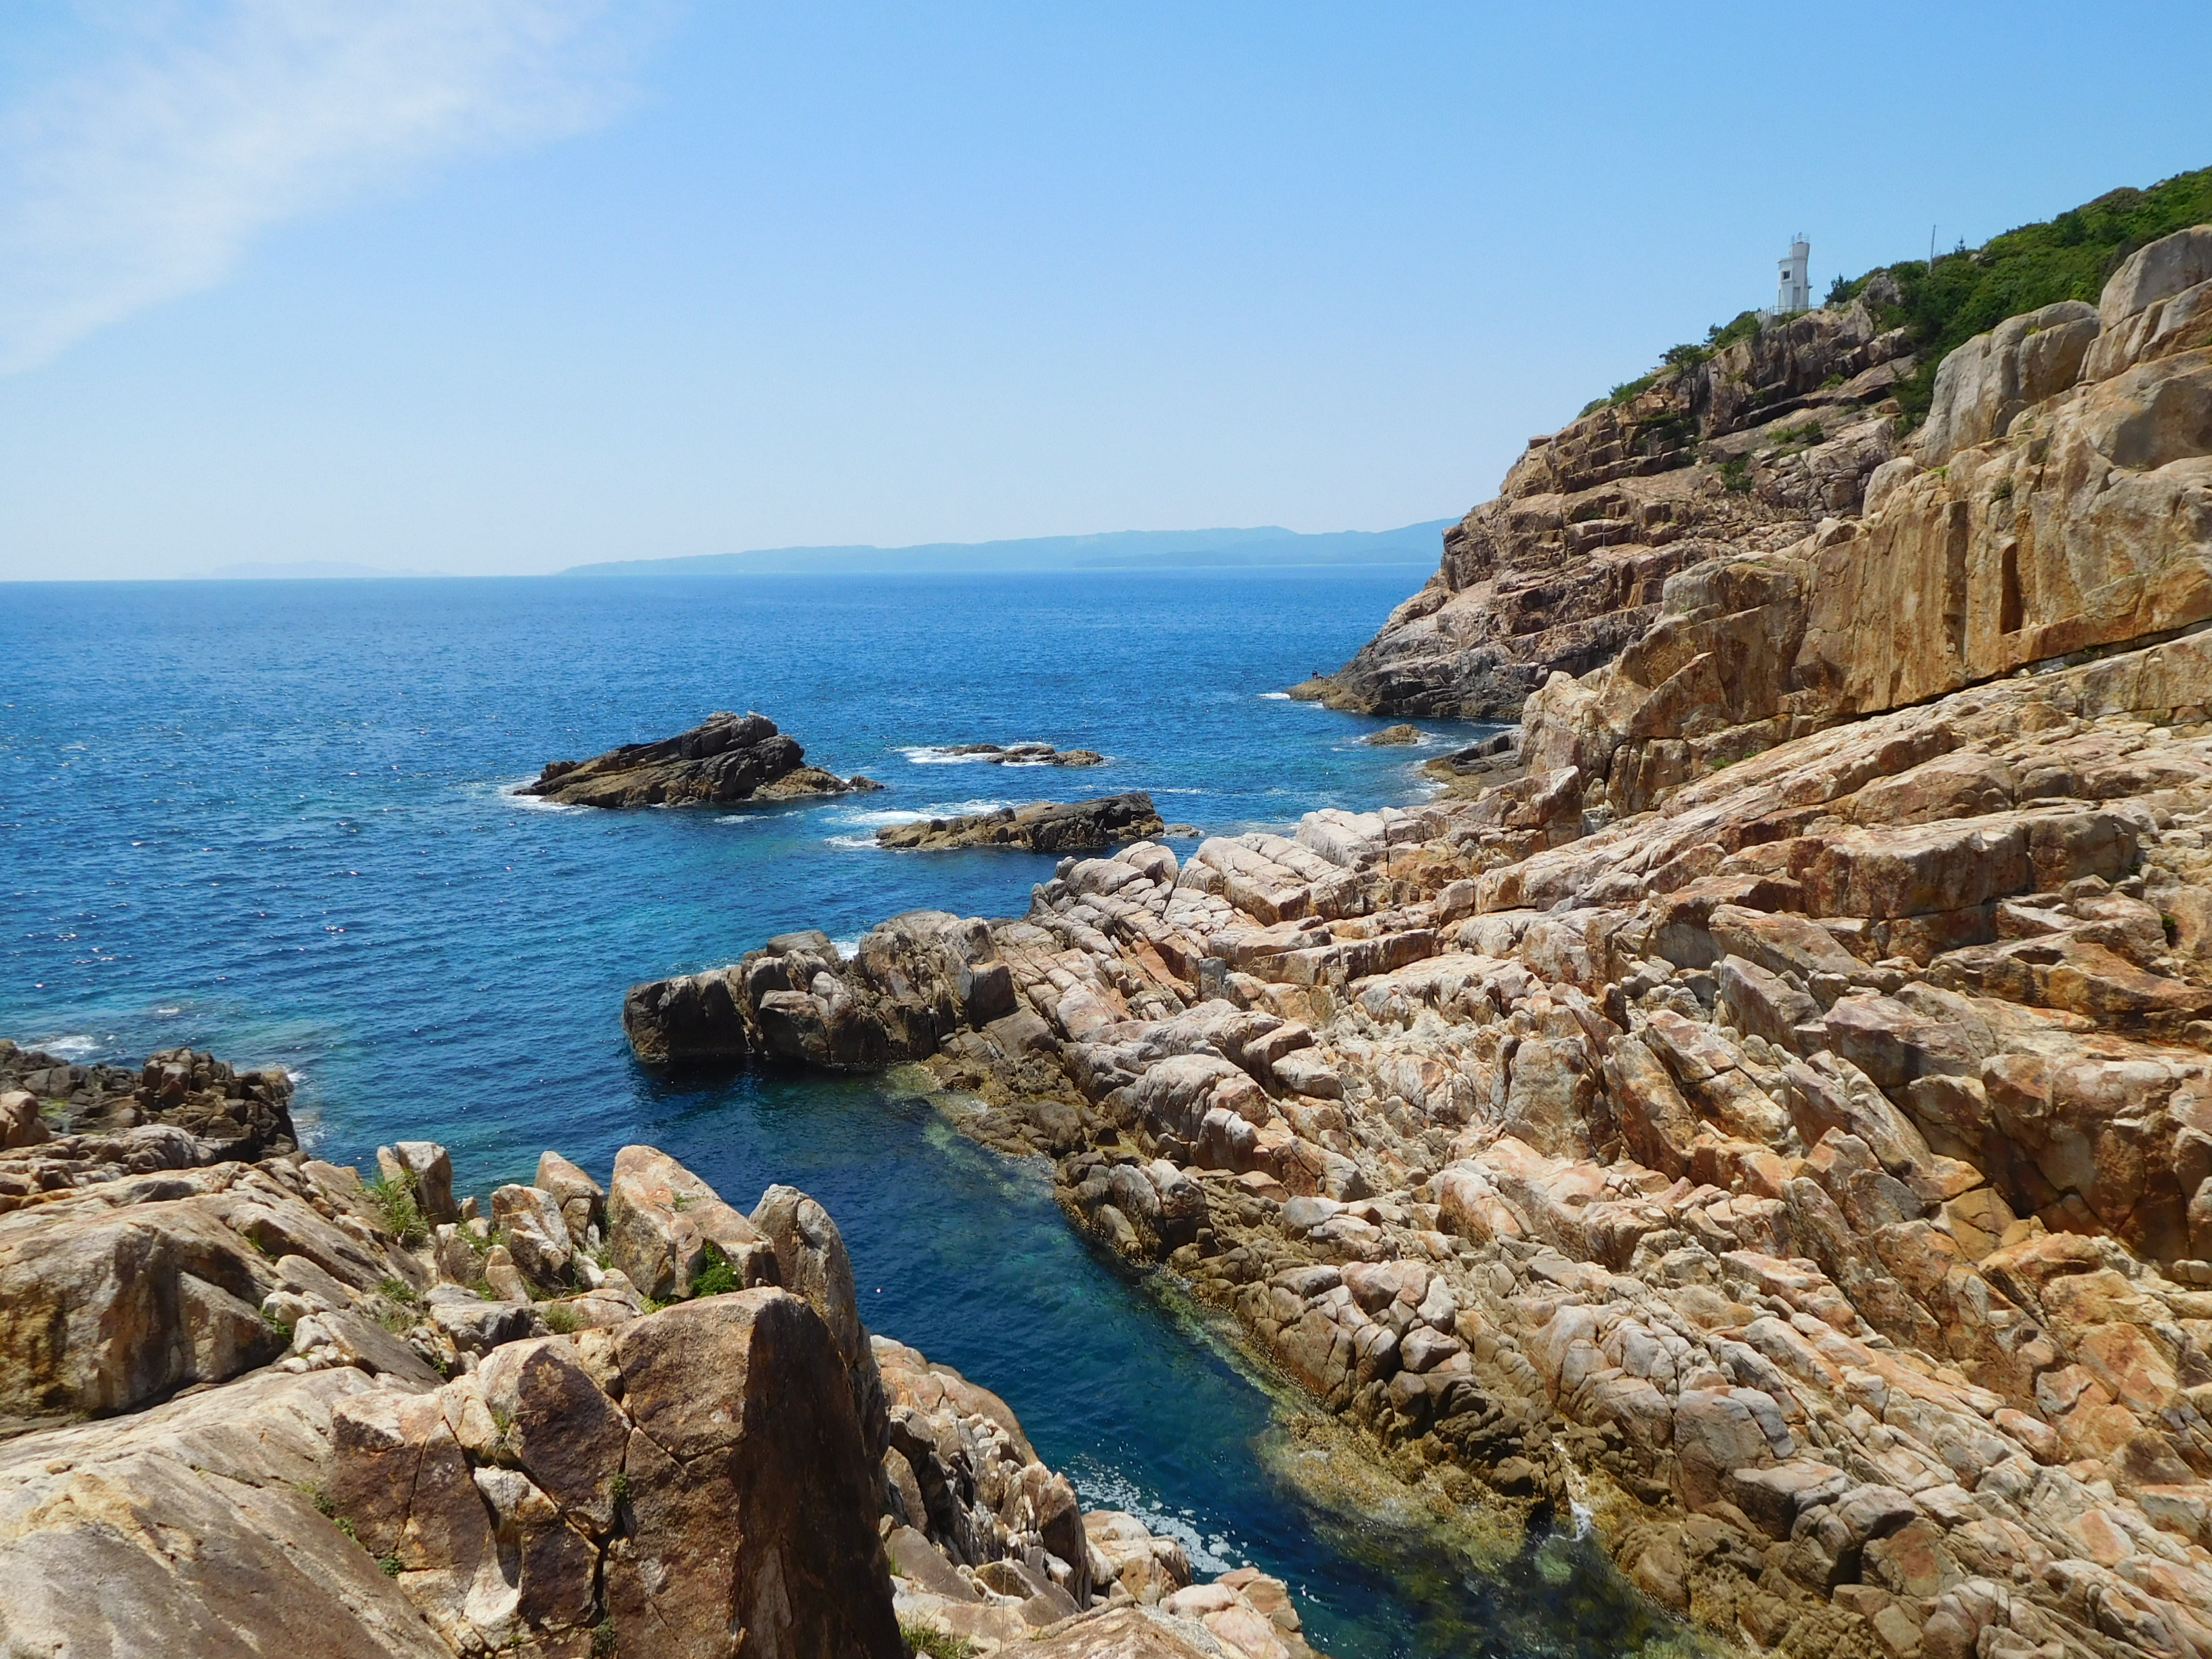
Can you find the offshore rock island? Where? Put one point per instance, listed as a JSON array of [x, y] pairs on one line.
[[1040, 826], [725, 760], [1771, 1103]]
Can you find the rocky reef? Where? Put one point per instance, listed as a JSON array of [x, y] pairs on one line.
[[47, 1101], [1023, 754], [1038, 826], [259, 1404], [726, 759], [1769, 1104]]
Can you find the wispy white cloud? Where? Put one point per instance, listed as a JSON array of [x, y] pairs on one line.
[[144, 174]]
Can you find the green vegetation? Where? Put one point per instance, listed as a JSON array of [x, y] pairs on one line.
[[2068, 257], [392, 1565], [399, 1291], [398, 1208], [560, 1318], [602, 1639], [1967, 292], [928, 1642], [1735, 475], [618, 1488], [716, 1274]]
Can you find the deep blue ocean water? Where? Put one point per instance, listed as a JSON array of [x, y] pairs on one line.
[[273, 819]]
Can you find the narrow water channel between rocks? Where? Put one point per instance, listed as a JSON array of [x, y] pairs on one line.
[[270, 819]]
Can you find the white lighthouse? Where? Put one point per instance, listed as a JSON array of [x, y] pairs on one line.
[[1794, 292]]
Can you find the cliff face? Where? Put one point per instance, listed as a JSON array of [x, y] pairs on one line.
[[1746, 450], [1778, 1118], [2057, 502]]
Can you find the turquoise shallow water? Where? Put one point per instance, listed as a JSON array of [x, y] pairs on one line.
[[271, 819]]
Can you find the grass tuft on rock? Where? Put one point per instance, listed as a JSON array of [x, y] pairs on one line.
[[928, 1642], [716, 1276]]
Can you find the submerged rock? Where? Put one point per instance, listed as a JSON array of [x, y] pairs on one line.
[[726, 759], [1041, 826], [1025, 754]]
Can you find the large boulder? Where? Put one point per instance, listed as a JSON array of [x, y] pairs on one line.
[[1982, 387], [118, 1294], [665, 1226], [193, 1528], [1041, 826], [726, 759], [751, 1502], [811, 1262]]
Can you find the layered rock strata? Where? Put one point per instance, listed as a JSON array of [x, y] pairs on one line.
[[1776, 1111], [726, 759], [1745, 451], [1040, 826], [355, 1417]]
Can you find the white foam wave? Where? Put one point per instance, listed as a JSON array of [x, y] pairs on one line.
[[1164, 791], [853, 843], [72, 1046], [1277, 697], [847, 946], [1102, 1488], [513, 792]]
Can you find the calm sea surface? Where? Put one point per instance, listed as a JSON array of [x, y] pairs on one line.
[[273, 819]]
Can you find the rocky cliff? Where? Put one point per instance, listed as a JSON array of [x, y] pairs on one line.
[[260, 1405], [1748, 449], [726, 759], [1778, 1114]]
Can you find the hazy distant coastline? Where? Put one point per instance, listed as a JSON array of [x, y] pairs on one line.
[[1269, 544]]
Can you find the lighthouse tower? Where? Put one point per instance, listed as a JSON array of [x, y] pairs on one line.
[[1794, 292]]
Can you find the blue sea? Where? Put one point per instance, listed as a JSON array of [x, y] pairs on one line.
[[275, 819]]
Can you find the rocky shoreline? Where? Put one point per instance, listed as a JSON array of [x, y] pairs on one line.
[[725, 760], [355, 1417], [1768, 1104], [1037, 826]]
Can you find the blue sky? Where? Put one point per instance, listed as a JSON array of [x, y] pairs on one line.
[[492, 286]]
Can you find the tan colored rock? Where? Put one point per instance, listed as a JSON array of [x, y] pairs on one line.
[[191, 1529], [583, 1201], [662, 1220], [530, 1220], [752, 1499], [1984, 386]]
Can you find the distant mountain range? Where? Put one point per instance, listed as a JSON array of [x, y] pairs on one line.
[[1122, 550]]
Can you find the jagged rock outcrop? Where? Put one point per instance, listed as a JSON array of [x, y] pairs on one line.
[[1038, 826], [1776, 1111], [400, 1436], [912, 980], [1747, 450], [43, 1097], [2019, 534], [726, 759]]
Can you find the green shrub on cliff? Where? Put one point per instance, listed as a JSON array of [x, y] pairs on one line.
[[398, 1208], [1966, 293], [1969, 291]]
